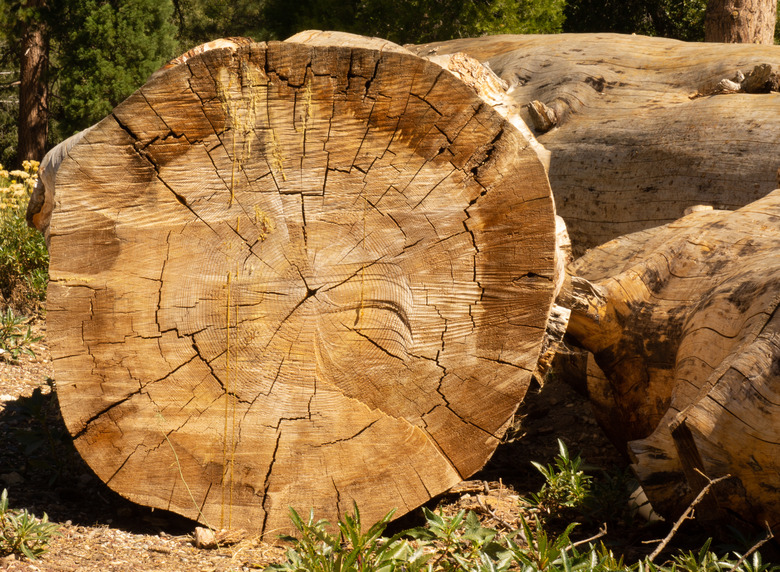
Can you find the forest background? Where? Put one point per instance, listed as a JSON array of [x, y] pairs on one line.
[[94, 53]]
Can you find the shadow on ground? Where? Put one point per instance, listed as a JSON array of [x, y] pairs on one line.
[[43, 472]]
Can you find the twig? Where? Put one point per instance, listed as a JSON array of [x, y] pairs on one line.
[[493, 515], [602, 532], [685, 516], [770, 535]]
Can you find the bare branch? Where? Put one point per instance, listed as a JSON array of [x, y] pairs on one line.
[[770, 535], [602, 532], [686, 515]]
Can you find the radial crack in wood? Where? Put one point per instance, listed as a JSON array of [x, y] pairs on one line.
[[291, 275]]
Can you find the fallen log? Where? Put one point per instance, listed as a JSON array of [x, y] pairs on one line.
[[640, 128], [684, 325], [292, 275]]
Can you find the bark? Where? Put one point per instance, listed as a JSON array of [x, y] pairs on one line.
[[741, 21], [33, 88], [683, 323], [641, 131], [296, 275]]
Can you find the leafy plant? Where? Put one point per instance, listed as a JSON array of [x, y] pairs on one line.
[[22, 533], [566, 485], [15, 340], [460, 542], [317, 550], [24, 260]]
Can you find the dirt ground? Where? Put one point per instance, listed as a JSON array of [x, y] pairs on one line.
[[101, 531]]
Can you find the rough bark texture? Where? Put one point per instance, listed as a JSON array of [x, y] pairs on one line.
[[292, 275], [33, 89], [640, 131], [683, 322], [741, 21]]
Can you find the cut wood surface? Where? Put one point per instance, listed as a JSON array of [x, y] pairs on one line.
[[288, 275], [683, 321], [639, 131]]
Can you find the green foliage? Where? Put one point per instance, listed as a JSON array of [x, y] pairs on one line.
[[104, 50], [416, 21], [317, 550], [460, 542], [566, 485], [9, 108], [15, 340], [22, 533], [24, 260], [680, 19], [201, 21]]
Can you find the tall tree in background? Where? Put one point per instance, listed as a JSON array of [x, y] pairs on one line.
[[105, 50], [24, 24], [741, 21]]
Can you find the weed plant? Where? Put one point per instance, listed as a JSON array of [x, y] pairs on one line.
[[566, 487], [16, 337], [21, 533], [460, 542], [24, 260]]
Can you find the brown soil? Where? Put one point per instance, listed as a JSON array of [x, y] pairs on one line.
[[101, 531]]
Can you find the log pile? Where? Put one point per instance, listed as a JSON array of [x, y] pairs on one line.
[[323, 271]]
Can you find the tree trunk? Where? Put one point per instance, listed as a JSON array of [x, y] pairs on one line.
[[640, 129], [33, 88], [683, 322], [741, 21], [287, 275]]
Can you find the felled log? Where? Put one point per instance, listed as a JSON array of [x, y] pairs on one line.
[[683, 322], [293, 275], [638, 128]]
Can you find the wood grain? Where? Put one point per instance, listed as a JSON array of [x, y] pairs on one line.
[[683, 321], [288, 275], [638, 139]]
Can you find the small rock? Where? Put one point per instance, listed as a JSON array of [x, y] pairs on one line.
[[205, 538]]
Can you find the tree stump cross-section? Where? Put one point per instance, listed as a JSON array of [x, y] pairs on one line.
[[295, 276]]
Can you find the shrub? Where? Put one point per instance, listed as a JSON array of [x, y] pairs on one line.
[[24, 260]]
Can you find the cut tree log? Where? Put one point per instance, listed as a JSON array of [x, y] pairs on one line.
[[637, 128], [684, 323], [296, 276]]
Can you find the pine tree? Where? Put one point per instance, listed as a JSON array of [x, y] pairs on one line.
[[105, 49]]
